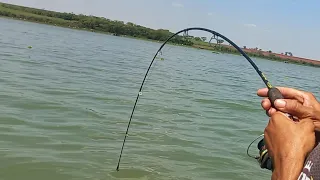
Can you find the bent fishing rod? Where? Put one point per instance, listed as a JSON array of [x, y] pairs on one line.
[[273, 94]]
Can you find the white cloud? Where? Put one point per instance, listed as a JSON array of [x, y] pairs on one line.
[[178, 5], [250, 25], [210, 14]]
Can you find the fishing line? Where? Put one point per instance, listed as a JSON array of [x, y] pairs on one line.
[[254, 157], [273, 92]]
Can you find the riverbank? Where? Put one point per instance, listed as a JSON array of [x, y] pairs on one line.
[[259, 54], [119, 28]]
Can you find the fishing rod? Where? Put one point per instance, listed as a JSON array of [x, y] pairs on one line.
[[273, 94]]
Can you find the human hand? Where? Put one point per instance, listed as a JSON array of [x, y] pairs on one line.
[[288, 144], [297, 103]]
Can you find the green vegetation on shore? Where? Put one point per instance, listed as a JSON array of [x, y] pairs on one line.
[[117, 28], [230, 50], [91, 23]]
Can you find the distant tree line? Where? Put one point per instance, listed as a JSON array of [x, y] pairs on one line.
[[93, 23], [118, 28]]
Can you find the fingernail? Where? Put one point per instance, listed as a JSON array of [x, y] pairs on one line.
[[280, 103]]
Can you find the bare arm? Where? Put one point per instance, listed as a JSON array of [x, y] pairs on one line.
[[288, 168]]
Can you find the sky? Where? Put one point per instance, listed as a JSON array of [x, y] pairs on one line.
[[277, 25]]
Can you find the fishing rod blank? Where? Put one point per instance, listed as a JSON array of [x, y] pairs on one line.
[[273, 92]]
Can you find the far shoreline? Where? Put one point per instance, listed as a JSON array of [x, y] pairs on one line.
[[76, 22], [155, 41]]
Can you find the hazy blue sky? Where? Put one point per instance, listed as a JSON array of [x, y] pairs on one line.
[[279, 25]]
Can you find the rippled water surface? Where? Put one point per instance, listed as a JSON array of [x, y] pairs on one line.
[[65, 104]]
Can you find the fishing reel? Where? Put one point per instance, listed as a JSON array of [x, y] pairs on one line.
[[263, 159]]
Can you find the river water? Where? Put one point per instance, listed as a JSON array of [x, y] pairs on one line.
[[65, 104]]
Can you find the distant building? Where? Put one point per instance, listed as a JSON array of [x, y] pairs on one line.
[[288, 54]]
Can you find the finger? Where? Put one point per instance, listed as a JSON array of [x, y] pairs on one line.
[[266, 104], [293, 107], [272, 111], [267, 113], [263, 92], [288, 93]]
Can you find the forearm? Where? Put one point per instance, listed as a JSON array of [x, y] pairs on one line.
[[288, 168]]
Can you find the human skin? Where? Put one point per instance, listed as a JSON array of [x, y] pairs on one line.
[[288, 145]]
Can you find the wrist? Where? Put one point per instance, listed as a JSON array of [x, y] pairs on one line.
[[288, 167]]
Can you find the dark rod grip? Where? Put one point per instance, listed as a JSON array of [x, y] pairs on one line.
[[273, 95]]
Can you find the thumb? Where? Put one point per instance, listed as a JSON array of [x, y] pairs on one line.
[[293, 107]]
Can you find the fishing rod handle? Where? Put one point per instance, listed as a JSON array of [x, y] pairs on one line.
[[273, 95]]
